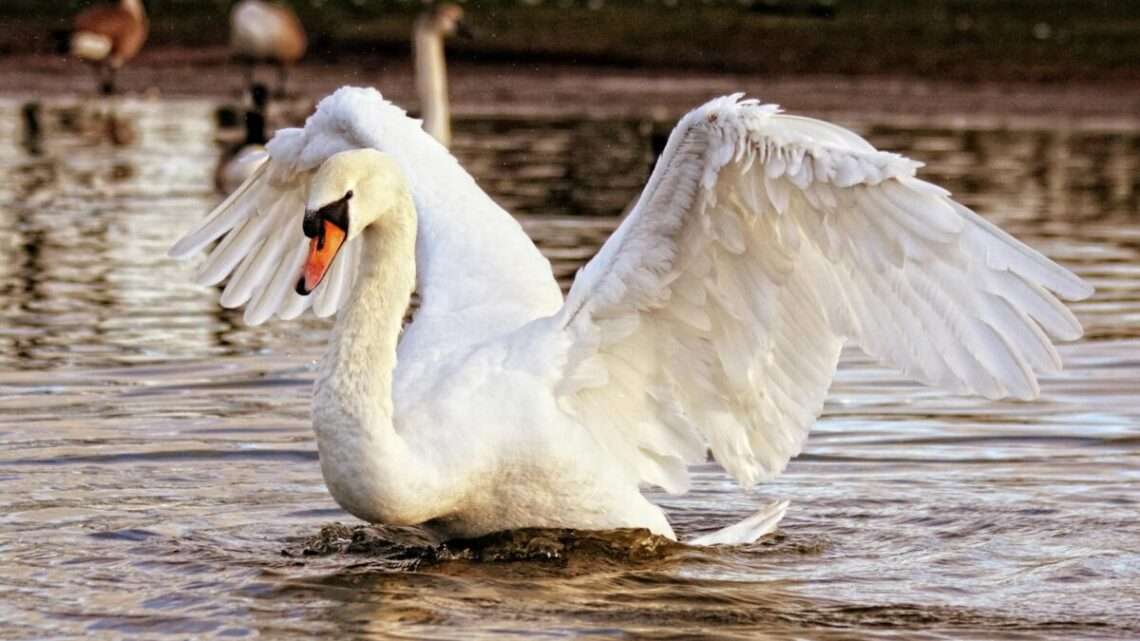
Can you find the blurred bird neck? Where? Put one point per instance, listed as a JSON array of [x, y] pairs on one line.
[[255, 128], [134, 7], [431, 80]]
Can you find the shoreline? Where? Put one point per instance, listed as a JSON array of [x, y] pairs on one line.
[[568, 90]]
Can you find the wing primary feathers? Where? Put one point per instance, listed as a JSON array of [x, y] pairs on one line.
[[223, 218], [1017, 328], [1034, 300], [1009, 253], [281, 284], [237, 290], [248, 234]]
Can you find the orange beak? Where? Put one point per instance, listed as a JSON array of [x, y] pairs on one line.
[[323, 249]]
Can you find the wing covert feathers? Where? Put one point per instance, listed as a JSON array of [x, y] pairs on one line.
[[714, 316]]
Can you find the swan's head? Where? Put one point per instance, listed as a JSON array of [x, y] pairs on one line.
[[350, 191]]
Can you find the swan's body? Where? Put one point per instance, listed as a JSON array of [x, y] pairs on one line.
[[107, 36], [431, 28], [711, 319], [266, 32]]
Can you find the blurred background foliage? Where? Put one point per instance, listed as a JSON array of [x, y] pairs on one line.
[[1041, 40]]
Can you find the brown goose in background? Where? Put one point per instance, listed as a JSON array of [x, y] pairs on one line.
[[107, 36], [266, 32], [431, 72]]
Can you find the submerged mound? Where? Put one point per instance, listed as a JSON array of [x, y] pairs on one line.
[[549, 545]]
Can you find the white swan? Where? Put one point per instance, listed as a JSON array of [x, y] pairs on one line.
[[712, 319], [431, 28]]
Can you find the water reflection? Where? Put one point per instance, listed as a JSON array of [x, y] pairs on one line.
[[87, 282], [158, 457]]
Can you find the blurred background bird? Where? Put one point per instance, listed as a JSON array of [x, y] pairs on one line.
[[107, 36], [431, 28], [269, 33], [240, 160]]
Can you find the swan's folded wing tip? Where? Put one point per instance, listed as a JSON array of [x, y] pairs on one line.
[[761, 523]]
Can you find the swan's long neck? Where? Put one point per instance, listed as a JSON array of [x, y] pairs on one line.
[[431, 80], [368, 466], [362, 352]]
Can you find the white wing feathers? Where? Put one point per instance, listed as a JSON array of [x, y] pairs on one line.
[[472, 257], [715, 314], [263, 246]]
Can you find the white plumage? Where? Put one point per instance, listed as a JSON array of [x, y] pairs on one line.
[[712, 319]]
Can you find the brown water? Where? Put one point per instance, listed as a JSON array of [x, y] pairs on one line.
[[159, 477]]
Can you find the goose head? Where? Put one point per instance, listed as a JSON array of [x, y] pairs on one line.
[[350, 191]]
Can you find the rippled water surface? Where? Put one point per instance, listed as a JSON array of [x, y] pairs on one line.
[[159, 477]]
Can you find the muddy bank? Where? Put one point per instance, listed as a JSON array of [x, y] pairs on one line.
[[1059, 41], [585, 90], [413, 547]]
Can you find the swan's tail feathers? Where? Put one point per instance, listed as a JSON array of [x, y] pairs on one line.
[[750, 529]]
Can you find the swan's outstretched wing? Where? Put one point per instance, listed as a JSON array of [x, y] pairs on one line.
[[714, 316], [262, 246]]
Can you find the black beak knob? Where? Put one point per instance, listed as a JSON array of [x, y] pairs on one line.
[[311, 224]]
